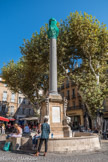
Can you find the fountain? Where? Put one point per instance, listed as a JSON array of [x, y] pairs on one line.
[[54, 107]]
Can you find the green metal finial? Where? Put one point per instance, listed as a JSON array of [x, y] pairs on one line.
[[53, 29]]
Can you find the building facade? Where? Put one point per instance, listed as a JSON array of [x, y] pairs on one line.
[[75, 107], [13, 104]]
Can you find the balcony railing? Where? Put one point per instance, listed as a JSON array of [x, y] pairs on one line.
[[75, 107]]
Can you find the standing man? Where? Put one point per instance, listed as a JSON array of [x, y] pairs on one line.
[[45, 131]]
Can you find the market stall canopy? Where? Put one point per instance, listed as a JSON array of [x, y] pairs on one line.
[[11, 119], [4, 119], [30, 118]]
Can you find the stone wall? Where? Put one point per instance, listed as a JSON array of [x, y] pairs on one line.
[[74, 144], [85, 142]]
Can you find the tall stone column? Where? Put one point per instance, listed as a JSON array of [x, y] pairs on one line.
[[52, 34], [54, 106]]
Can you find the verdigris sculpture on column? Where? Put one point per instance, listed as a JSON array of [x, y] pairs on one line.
[[53, 34]]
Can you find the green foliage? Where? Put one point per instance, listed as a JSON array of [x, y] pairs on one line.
[[30, 74], [80, 37]]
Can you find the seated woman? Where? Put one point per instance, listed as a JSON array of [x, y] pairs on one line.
[[18, 132], [36, 136]]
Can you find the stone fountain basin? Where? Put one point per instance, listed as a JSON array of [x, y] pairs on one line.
[[79, 142], [82, 143]]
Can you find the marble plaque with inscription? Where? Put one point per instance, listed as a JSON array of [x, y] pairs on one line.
[[55, 114]]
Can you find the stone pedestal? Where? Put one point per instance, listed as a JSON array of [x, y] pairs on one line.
[[26, 142], [16, 142], [54, 108]]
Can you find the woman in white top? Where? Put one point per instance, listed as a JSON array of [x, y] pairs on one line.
[[19, 131]]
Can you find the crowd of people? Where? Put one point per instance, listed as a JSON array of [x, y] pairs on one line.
[[9, 127], [42, 132]]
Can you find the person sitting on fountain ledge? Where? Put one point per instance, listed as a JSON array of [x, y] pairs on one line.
[[45, 131], [18, 132]]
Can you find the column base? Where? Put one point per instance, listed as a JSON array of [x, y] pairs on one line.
[[54, 108]]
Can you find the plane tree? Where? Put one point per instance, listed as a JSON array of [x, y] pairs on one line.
[[81, 38]]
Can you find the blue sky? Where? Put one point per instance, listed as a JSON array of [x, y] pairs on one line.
[[20, 18]]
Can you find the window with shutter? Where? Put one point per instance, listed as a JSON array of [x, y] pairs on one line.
[[11, 110], [13, 97], [4, 96], [73, 93]]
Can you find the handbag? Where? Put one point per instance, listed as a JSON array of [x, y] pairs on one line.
[[7, 146]]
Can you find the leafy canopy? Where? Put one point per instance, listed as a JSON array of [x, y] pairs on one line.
[[81, 37]]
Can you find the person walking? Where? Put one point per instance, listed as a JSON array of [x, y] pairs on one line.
[[45, 131]]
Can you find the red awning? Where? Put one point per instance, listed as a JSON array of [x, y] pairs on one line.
[[11, 119], [4, 119]]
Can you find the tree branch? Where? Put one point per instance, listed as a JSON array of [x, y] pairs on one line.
[[91, 67]]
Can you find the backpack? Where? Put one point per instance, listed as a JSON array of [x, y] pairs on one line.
[[7, 146]]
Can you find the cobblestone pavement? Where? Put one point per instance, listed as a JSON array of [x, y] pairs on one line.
[[96, 156]]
